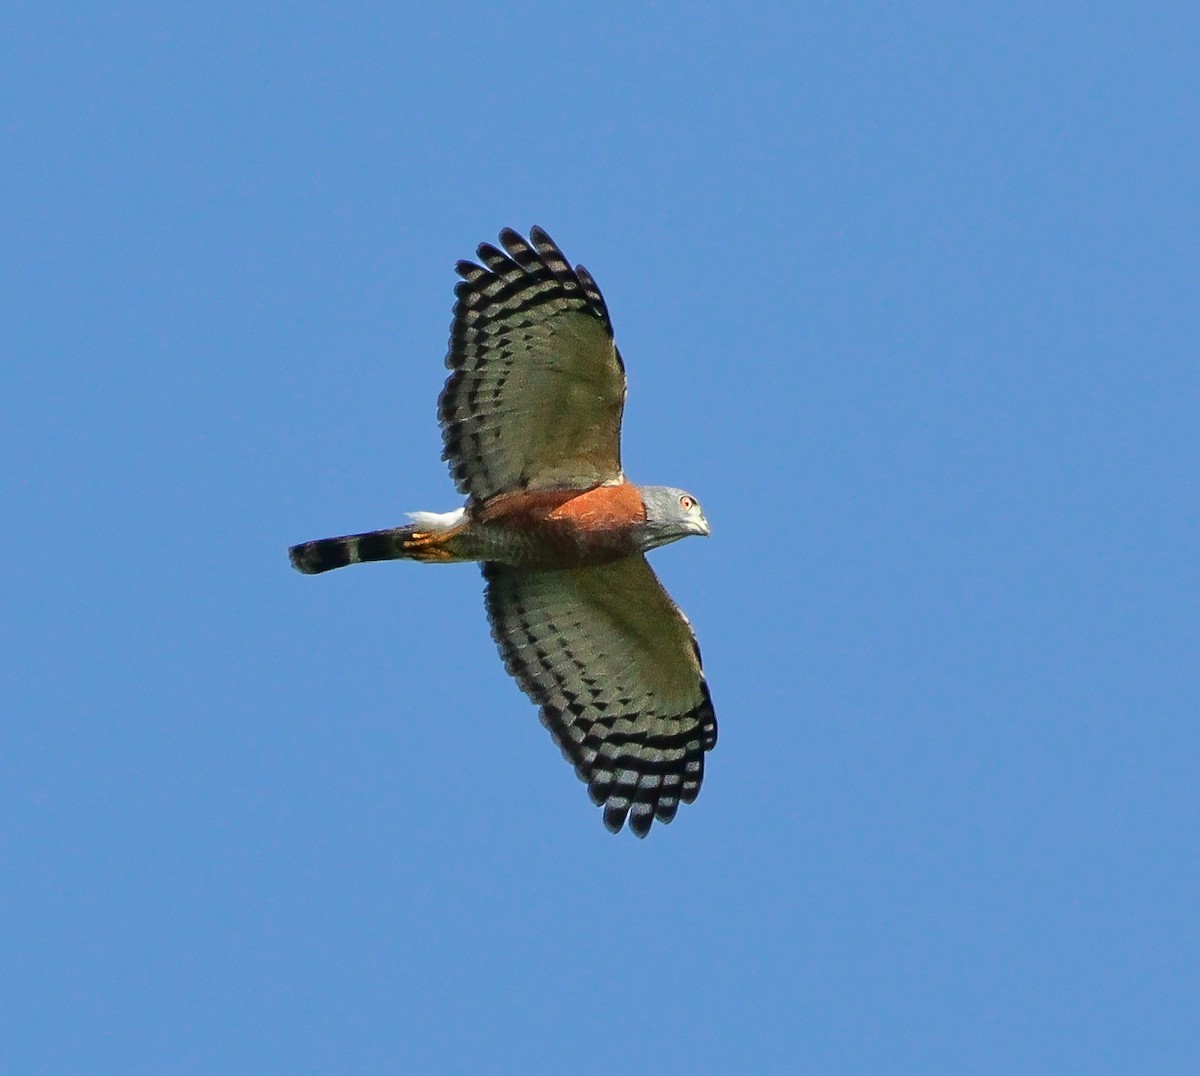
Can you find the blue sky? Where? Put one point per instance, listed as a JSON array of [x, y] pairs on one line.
[[908, 296]]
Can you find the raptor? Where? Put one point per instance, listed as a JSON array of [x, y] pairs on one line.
[[531, 424]]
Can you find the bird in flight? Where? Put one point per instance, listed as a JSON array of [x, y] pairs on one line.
[[531, 426]]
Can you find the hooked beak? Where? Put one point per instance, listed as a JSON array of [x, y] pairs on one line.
[[701, 527]]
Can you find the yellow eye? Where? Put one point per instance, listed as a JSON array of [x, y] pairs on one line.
[[686, 503]]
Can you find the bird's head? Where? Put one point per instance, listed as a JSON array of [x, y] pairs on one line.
[[671, 514]]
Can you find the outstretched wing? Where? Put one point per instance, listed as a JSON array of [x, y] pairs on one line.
[[615, 668], [537, 389]]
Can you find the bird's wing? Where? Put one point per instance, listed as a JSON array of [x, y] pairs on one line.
[[535, 398], [615, 668]]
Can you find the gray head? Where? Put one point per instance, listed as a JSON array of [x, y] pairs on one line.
[[671, 514]]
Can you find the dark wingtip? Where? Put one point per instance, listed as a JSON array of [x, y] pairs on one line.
[[614, 817], [640, 819], [490, 252]]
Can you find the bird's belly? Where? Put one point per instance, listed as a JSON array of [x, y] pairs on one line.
[[552, 544], [559, 528]]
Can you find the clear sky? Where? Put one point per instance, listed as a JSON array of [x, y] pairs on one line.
[[909, 296]]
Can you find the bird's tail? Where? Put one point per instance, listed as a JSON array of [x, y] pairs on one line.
[[415, 542]]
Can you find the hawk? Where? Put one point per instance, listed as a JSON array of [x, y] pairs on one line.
[[531, 424]]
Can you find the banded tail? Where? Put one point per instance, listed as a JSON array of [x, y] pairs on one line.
[[414, 542]]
